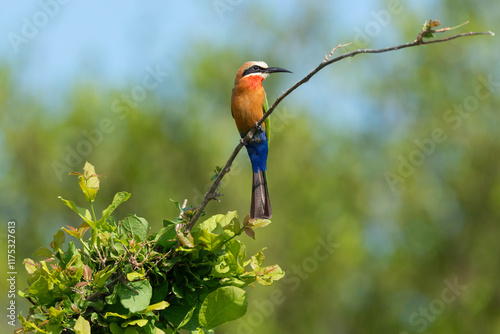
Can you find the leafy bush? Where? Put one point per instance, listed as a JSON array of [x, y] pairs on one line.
[[127, 279]]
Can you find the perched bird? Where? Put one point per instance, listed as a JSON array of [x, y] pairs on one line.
[[248, 105]]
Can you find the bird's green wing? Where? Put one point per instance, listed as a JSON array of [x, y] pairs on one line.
[[267, 122]]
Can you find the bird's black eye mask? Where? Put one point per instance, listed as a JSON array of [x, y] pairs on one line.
[[253, 69]]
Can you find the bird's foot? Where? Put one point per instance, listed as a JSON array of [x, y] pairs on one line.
[[259, 127]]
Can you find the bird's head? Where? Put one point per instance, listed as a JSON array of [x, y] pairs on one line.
[[259, 69]]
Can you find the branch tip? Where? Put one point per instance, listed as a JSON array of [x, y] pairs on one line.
[[340, 45]]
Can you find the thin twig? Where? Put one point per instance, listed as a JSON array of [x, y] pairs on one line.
[[328, 56], [184, 204], [213, 189]]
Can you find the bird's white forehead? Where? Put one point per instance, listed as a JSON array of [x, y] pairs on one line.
[[258, 63]]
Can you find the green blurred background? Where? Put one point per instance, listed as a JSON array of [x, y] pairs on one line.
[[383, 169]]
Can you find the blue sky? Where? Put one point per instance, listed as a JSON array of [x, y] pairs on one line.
[[110, 43], [117, 39]]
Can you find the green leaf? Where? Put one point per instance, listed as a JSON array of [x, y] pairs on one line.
[[115, 328], [114, 314], [228, 217], [88, 181], [166, 237], [158, 306], [160, 292], [58, 241], [30, 326], [82, 326], [175, 221], [177, 204], [83, 213], [264, 275], [211, 224], [259, 223], [117, 200], [257, 260], [233, 227], [30, 266], [136, 226], [136, 295], [75, 261], [186, 240], [66, 258], [179, 315], [190, 319], [102, 276], [211, 241], [43, 252], [222, 305], [139, 322], [113, 297], [197, 331], [131, 330], [215, 231], [270, 274], [79, 232], [134, 276], [217, 171], [55, 313], [215, 223], [232, 261]]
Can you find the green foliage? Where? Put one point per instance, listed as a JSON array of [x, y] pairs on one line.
[[127, 279]]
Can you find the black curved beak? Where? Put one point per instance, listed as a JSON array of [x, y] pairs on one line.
[[276, 69]]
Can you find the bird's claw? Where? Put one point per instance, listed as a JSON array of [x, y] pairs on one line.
[[259, 127]]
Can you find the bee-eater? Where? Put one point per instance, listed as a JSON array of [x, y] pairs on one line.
[[248, 105]]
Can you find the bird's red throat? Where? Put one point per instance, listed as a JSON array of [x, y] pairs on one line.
[[254, 81]]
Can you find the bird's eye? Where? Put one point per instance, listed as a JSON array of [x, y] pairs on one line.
[[256, 68]]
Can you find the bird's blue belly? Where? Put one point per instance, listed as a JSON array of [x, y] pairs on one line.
[[257, 149]]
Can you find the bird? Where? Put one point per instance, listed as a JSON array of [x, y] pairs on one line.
[[248, 105]]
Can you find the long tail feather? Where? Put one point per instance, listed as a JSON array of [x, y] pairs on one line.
[[261, 205]]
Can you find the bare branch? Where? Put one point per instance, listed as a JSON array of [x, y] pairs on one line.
[[213, 189], [212, 192]]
